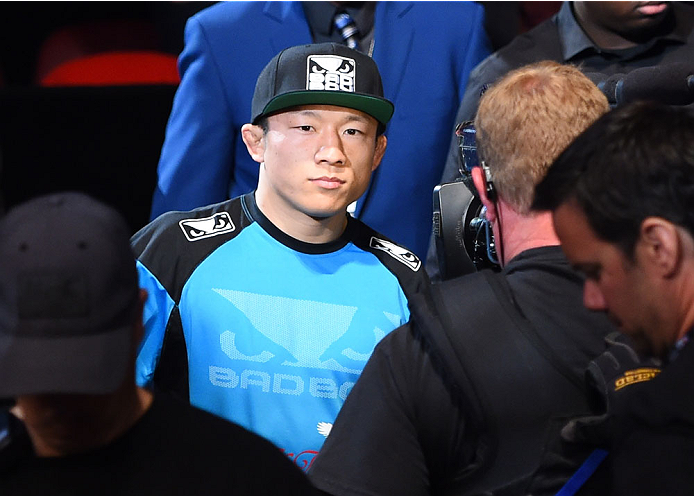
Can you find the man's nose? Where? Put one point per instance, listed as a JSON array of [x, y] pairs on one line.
[[331, 149]]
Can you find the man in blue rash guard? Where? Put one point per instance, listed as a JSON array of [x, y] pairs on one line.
[[263, 309]]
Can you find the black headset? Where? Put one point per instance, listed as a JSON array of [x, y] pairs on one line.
[[489, 186]]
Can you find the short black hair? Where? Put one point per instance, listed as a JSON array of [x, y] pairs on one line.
[[262, 122], [635, 162]]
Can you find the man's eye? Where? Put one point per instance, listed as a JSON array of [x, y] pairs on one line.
[[353, 132], [305, 128]]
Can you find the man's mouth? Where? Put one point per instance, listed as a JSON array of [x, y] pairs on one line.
[[328, 182], [652, 8]]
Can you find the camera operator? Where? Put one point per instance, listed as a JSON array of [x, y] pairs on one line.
[[602, 38], [456, 401], [641, 275]]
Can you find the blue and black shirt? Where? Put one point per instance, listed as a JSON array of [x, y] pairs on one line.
[[260, 328]]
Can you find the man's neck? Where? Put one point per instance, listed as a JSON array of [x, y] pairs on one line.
[[523, 232], [299, 225], [60, 425]]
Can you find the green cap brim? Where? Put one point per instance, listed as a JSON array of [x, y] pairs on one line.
[[378, 108]]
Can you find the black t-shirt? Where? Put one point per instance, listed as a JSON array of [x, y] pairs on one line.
[[173, 449], [404, 430]]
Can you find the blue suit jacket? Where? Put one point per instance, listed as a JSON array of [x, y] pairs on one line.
[[425, 52]]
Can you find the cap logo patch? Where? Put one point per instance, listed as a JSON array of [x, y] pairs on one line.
[[196, 229], [331, 72], [397, 252]]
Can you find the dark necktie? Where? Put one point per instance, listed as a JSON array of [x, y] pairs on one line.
[[348, 29]]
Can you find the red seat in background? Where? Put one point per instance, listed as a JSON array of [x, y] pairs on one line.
[[105, 52], [115, 68]]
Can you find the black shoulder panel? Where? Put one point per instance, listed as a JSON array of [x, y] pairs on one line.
[[403, 263], [175, 243], [171, 247]]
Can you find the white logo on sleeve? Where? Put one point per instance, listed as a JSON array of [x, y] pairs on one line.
[[397, 252], [195, 229], [324, 428], [331, 72]]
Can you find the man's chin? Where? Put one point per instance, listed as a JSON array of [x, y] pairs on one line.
[[323, 214], [646, 27]]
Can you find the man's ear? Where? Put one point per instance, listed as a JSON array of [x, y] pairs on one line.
[[381, 144], [660, 245], [254, 138], [481, 187]]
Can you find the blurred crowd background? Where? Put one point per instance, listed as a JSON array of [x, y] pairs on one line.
[[86, 89]]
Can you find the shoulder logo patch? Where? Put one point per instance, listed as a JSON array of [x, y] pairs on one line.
[[635, 376], [397, 252], [196, 229]]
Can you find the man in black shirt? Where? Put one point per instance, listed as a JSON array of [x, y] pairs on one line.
[[71, 321], [621, 197], [456, 402]]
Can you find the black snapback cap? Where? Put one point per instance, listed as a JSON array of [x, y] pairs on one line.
[[321, 74], [68, 296]]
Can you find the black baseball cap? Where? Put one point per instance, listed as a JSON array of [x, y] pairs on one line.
[[68, 293], [321, 74]]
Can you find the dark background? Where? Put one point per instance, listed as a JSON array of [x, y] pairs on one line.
[[106, 140], [103, 140]]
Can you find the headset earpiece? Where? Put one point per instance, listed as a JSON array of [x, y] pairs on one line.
[[490, 189]]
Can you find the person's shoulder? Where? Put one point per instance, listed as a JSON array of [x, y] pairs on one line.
[[192, 224], [208, 443], [198, 429], [202, 426], [245, 15], [176, 231], [225, 12], [370, 240], [467, 281], [526, 48], [451, 12], [469, 295], [15, 444], [452, 20], [399, 343], [401, 261]]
